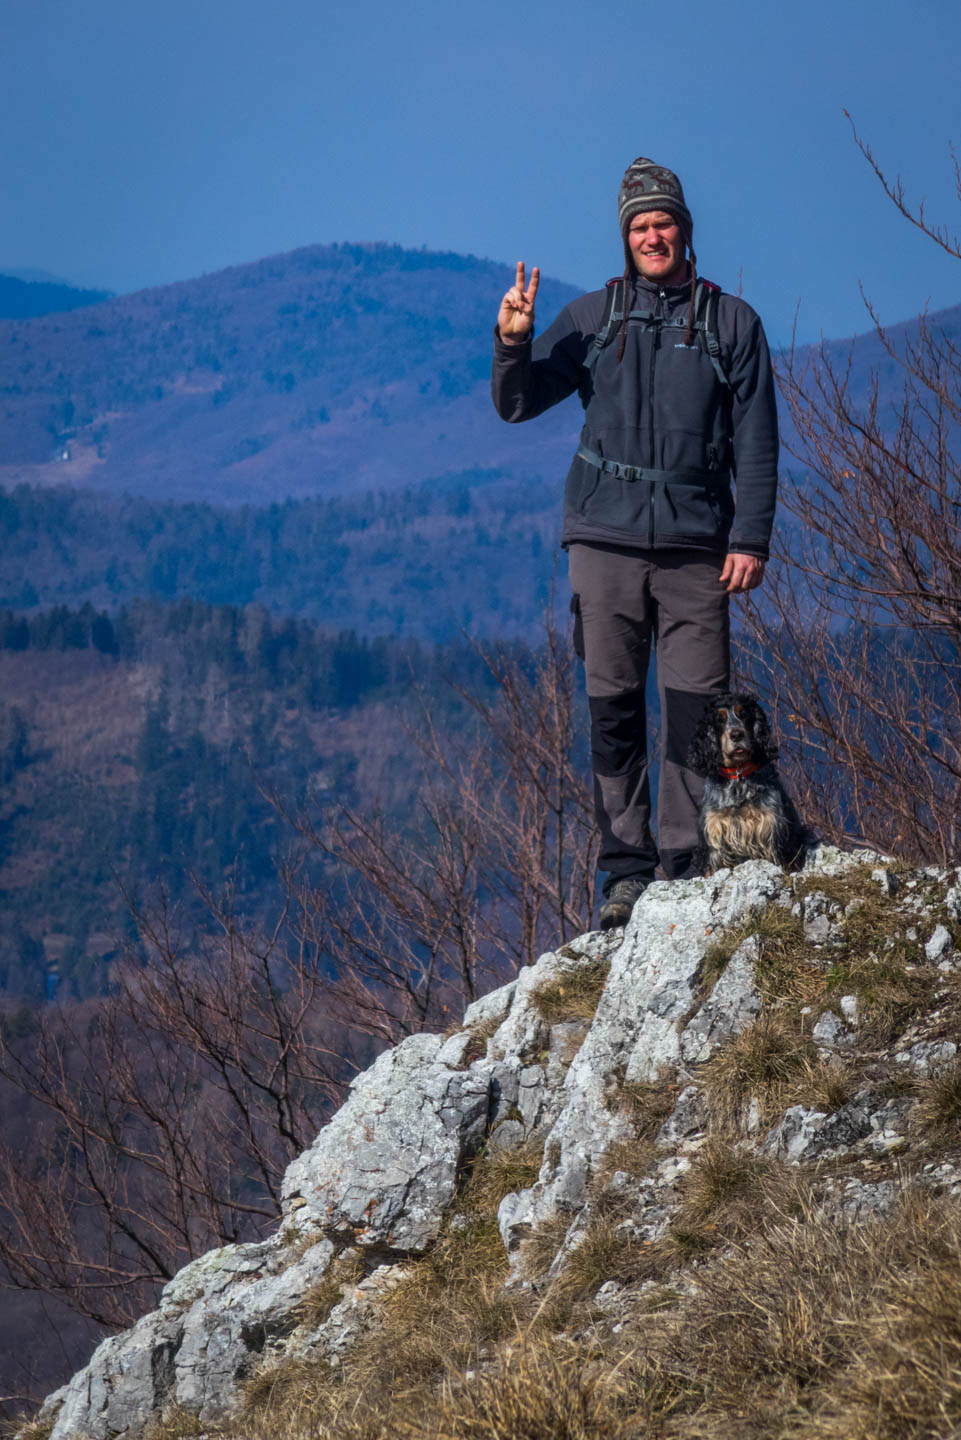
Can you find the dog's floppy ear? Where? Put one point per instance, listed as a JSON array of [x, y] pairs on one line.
[[704, 752], [764, 741]]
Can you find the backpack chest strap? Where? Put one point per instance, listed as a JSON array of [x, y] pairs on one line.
[[706, 298]]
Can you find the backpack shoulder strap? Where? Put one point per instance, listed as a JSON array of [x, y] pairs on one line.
[[706, 298], [614, 302]]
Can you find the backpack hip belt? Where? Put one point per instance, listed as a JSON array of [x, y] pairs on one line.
[[710, 479]]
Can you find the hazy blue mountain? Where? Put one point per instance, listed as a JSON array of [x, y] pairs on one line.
[[331, 370], [28, 272], [21, 297], [312, 432]]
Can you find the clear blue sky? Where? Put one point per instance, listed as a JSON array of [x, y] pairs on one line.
[[145, 143]]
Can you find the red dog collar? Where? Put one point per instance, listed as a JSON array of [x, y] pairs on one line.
[[739, 772]]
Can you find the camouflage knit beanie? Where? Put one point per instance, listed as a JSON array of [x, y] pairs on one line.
[[647, 186]]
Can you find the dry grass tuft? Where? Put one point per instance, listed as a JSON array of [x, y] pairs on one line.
[[317, 1302], [825, 1328], [872, 958], [724, 1194], [728, 1193], [825, 1084], [540, 1392], [603, 1253], [574, 995], [898, 1084], [29, 1429], [285, 1390], [762, 1063], [883, 968], [939, 1105], [891, 996], [853, 884], [647, 1104], [540, 1249], [722, 1178], [903, 1379], [784, 970], [633, 1157], [788, 972], [495, 1173]]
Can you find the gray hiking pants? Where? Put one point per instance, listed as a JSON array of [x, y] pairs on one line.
[[623, 601]]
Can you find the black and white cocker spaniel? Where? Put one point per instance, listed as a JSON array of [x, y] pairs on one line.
[[746, 814]]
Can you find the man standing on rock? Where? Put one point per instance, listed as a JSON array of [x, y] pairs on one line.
[[678, 394]]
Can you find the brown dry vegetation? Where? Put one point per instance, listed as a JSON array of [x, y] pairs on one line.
[[573, 996], [445, 1314], [806, 1325], [647, 1103]]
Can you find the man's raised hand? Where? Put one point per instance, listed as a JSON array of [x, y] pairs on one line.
[[515, 320]]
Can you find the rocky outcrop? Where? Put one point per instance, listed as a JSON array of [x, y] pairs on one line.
[[383, 1172], [688, 976]]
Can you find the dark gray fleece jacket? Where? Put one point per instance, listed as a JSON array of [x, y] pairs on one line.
[[664, 413]]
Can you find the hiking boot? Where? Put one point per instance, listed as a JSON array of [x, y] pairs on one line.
[[620, 901]]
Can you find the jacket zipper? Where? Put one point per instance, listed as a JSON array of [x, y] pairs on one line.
[[655, 336]]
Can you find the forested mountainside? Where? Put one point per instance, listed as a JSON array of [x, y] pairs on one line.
[[474, 551], [137, 753], [328, 370]]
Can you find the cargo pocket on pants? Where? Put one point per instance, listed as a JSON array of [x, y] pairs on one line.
[[578, 626]]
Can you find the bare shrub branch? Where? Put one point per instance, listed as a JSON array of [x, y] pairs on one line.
[[857, 640]]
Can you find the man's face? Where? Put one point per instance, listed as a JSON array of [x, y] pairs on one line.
[[657, 245]]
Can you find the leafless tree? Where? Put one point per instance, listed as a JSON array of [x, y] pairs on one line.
[[857, 639], [495, 865], [164, 1116]]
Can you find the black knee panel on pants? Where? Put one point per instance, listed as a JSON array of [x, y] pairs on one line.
[[682, 715], [618, 732]]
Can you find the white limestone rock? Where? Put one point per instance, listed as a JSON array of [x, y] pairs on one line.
[[382, 1172], [830, 860], [868, 1120], [927, 1056], [686, 1122], [939, 941], [733, 1004], [831, 1032], [650, 988], [796, 1136], [215, 1319], [952, 901], [490, 1008]]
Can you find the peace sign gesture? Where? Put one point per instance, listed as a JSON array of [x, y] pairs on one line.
[[515, 319]]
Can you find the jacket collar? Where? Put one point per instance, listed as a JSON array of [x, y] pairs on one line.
[[652, 287]]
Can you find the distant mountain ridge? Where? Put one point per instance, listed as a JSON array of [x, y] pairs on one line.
[[312, 432], [21, 297], [329, 370]]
